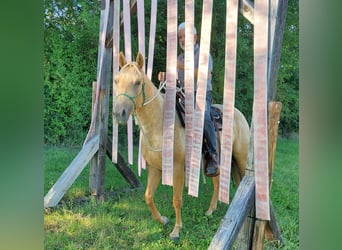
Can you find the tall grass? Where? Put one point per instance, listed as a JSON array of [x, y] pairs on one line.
[[123, 220]]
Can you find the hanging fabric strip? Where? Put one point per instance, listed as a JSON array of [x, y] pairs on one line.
[[128, 53], [170, 93], [153, 22], [189, 82], [141, 27], [102, 40], [142, 162], [116, 51], [228, 99], [260, 109], [141, 42], [203, 67]]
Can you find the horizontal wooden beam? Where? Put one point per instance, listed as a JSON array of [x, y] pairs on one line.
[[64, 182], [238, 210]]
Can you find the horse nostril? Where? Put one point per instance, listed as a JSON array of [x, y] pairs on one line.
[[123, 113]]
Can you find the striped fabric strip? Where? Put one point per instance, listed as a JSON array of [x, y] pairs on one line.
[[189, 83], [200, 98], [170, 93], [142, 162], [260, 109], [152, 38], [116, 51], [127, 29], [102, 40], [128, 53], [141, 42], [141, 27], [228, 99]]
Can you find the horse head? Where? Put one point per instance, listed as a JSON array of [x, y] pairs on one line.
[[129, 88]]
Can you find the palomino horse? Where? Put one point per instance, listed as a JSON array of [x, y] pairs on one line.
[[136, 94]]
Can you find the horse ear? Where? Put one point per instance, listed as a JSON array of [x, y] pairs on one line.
[[122, 59], [139, 60]]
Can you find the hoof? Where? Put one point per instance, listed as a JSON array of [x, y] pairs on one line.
[[174, 235], [174, 238], [209, 212], [164, 220]]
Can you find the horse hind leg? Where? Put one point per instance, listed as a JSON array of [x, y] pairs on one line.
[[214, 197], [237, 174], [178, 186], [237, 171], [153, 179]]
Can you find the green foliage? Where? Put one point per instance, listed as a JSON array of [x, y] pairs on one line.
[[71, 40], [288, 78]]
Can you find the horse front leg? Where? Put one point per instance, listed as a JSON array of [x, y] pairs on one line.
[[153, 179], [214, 197], [178, 186]]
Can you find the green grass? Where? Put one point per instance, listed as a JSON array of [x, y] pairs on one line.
[[123, 220]]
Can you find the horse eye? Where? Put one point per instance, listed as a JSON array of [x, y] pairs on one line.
[[137, 82], [116, 80]]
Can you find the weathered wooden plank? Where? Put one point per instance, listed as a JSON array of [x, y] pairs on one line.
[[274, 109], [109, 37], [273, 231], [246, 8], [244, 240], [238, 210], [97, 169], [71, 173], [124, 170], [278, 9], [93, 161], [259, 235]]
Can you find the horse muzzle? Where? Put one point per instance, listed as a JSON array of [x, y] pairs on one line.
[[122, 111]]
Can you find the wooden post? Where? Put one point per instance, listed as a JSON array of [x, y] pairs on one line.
[[93, 160], [244, 240], [278, 9], [277, 17], [273, 121], [97, 164]]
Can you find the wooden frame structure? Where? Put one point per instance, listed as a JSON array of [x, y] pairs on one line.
[[98, 146], [239, 224]]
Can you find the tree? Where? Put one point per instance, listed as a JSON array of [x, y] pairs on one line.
[[71, 40]]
